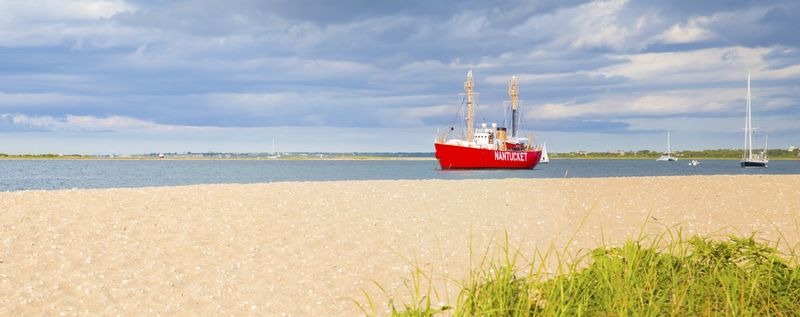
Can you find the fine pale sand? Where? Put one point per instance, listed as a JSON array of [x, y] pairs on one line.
[[310, 248]]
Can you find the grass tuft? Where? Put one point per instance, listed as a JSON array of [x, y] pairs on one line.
[[697, 276]]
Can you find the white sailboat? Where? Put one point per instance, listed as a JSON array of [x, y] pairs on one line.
[[667, 157], [544, 159], [748, 158], [274, 154]]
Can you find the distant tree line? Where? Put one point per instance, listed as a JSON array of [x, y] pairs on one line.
[[704, 154], [43, 156]]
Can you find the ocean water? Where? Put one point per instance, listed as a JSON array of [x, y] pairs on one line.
[[63, 174]]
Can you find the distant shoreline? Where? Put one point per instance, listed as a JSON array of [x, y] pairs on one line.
[[654, 158], [709, 154], [333, 158]]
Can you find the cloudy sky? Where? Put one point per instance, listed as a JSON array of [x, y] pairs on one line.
[[133, 76]]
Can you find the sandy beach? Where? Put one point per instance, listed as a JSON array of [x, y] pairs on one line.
[[310, 248]]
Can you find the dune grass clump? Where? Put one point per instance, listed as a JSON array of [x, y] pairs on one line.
[[694, 277]]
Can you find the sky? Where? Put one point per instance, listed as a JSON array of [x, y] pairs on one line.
[[145, 76]]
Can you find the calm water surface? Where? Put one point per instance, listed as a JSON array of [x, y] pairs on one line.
[[61, 174]]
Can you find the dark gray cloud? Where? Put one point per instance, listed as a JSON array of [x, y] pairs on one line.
[[346, 11]]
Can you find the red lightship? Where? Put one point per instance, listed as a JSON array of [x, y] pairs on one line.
[[488, 147]]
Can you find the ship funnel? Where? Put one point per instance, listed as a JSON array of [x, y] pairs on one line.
[[501, 134]]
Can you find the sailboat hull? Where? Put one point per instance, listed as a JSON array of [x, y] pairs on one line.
[[462, 157], [746, 164]]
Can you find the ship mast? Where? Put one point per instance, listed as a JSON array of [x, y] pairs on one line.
[[469, 85], [513, 92]]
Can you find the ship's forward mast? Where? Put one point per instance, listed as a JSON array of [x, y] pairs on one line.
[[469, 89], [513, 93]]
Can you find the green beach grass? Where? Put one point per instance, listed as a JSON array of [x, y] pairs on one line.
[[668, 275]]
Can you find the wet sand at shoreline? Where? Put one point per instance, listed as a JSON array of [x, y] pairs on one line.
[[310, 248]]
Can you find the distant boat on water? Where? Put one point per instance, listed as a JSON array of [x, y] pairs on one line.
[[274, 154], [667, 157], [694, 163], [544, 159], [748, 158]]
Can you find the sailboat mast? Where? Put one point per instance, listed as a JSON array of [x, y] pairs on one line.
[[746, 120], [513, 92], [749, 124], [669, 150], [469, 85]]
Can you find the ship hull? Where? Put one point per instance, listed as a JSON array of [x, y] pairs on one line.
[[461, 157]]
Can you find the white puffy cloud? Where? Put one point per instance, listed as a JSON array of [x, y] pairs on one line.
[[680, 102], [707, 102], [605, 24], [62, 11], [52, 22], [700, 66], [600, 24], [23, 123], [73, 123], [695, 30]]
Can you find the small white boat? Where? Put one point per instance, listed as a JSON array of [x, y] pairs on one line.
[[544, 159], [694, 163]]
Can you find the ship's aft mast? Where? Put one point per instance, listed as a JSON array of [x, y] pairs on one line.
[[513, 93], [469, 87]]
